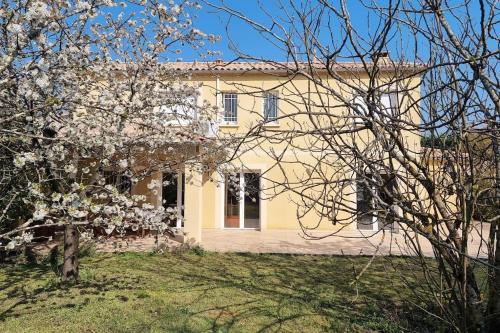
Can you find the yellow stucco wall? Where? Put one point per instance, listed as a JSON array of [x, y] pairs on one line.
[[277, 212]]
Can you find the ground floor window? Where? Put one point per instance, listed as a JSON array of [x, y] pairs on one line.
[[386, 219], [242, 202], [364, 204], [369, 218], [120, 180], [173, 195]]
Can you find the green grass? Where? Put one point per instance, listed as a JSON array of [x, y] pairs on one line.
[[206, 292]]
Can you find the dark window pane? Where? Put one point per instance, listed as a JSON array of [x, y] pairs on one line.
[[270, 106], [364, 206], [230, 107], [169, 190], [386, 219], [169, 193]]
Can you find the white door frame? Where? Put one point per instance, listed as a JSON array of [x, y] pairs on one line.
[[180, 217], [241, 203]]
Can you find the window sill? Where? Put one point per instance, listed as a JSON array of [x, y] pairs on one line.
[[271, 125], [228, 125]]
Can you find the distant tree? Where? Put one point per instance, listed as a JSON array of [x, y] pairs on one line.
[[439, 142]]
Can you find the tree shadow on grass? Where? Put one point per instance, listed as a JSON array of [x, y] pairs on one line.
[[282, 292], [224, 292], [50, 291]]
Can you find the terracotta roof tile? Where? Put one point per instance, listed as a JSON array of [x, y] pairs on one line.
[[284, 67]]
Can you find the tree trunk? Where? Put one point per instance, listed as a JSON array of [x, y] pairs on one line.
[[493, 310], [474, 315], [71, 245]]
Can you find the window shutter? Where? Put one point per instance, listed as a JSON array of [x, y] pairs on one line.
[[389, 104], [359, 110]]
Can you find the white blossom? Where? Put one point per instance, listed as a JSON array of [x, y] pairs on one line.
[[42, 81], [19, 161], [56, 196], [123, 164], [75, 187], [83, 6], [38, 11], [95, 208], [153, 184], [109, 229], [175, 10], [74, 212], [11, 245], [70, 168], [40, 211], [15, 28]]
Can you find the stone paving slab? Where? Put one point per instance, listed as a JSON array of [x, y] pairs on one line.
[[348, 242]]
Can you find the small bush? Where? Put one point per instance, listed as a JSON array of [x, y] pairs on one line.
[[87, 275], [198, 250], [87, 249]]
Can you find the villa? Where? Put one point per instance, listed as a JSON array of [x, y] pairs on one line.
[[266, 95]]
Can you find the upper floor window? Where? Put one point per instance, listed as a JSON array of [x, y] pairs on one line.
[[360, 110], [387, 108], [390, 104], [230, 102], [270, 106], [181, 111]]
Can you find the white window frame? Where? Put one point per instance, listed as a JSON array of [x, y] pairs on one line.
[[234, 119], [264, 102], [388, 101], [241, 203]]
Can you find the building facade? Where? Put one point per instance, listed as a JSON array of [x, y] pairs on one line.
[[244, 193]]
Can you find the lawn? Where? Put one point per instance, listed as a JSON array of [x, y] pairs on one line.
[[198, 291]]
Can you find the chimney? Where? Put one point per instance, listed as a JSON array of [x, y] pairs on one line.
[[219, 61], [383, 57]]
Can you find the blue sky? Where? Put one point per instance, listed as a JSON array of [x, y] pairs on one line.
[[234, 30], [211, 21]]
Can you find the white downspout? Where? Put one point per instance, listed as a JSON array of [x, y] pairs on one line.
[[217, 91]]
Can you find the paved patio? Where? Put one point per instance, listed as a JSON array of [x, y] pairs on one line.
[[348, 242]]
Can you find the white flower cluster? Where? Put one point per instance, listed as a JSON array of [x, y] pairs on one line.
[[38, 11], [21, 159], [17, 241]]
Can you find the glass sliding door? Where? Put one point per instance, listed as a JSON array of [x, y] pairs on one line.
[[386, 219], [242, 202], [369, 218], [232, 201], [252, 202], [365, 217], [173, 196]]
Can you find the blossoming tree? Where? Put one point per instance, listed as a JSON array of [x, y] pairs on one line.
[[84, 90]]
